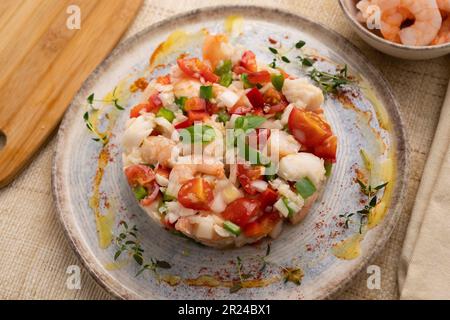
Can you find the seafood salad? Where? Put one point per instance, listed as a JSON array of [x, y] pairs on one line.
[[225, 148], [408, 22]]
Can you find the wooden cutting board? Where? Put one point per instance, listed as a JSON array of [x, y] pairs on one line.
[[43, 63]]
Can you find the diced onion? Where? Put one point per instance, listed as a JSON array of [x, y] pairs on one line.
[[281, 207], [161, 180], [259, 185], [228, 98]]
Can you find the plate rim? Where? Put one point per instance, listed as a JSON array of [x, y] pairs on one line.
[[65, 216]]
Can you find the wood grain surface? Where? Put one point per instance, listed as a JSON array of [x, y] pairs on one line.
[[44, 63]]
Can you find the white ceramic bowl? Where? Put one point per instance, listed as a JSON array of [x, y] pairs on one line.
[[390, 48]]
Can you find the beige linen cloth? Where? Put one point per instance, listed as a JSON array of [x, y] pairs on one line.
[[424, 271], [35, 255]]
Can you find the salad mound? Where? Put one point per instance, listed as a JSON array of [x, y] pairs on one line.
[[225, 148]]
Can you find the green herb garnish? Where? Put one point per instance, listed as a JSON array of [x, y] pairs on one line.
[[277, 81], [244, 79], [198, 134], [206, 92], [140, 192], [328, 82], [166, 114], [305, 187], [223, 116], [249, 122], [231, 227], [224, 68], [328, 168], [300, 44], [180, 102], [226, 79], [294, 275]]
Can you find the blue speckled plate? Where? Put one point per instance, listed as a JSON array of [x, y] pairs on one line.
[[360, 122]]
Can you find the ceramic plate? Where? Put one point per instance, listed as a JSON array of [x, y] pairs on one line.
[[317, 257]]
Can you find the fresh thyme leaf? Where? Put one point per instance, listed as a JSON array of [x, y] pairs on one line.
[[236, 287], [273, 50], [300, 44], [138, 258], [328, 82], [268, 250], [90, 99], [373, 202], [285, 59], [162, 264], [307, 62], [273, 64], [294, 275], [381, 186], [117, 255], [117, 105]]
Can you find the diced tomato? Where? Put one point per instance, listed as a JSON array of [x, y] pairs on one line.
[[308, 128], [163, 79], [212, 108], [184, 124], [240, 70], [196, 194], [139, 175], [260, 77], [268, 198], [241, 211], [155, 103], [197, 116], [136, 110], [195, 104], [241, 107], [262, 226], [246, 175], [272, 97], [153, 193], [327, 150], [256, 98], [195, 68], [248, 61]]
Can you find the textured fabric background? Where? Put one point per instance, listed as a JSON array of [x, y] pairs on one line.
[[34, 253]]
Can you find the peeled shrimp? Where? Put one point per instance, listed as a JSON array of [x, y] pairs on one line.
[[303, 94], [159, 149], [444, 33], [427, 23], [186, 168]]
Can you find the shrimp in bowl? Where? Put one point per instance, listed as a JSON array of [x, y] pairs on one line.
[[225, 150]]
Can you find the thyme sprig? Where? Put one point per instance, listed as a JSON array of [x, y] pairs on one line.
[[127, 242], [329, 82], [99, 136], [283, 57], [242, 276], [115, 100], [372, 201]]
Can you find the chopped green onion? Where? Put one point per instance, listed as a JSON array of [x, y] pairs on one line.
[[206, 92], [223, 117], [181, 101], [198, 133], [328, 168], [168, 197], [249, 122], [224, 68], [244, 79], [286, 203], [140, 192], [278, 81], [226, 79], [305, 187], [231, 227], [166, 113]]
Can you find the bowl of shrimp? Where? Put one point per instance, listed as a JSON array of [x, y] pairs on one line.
[[407, 29]]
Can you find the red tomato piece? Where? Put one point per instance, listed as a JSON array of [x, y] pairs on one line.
[[212, 108], [248, 61], [240, 70], [196, 194], [260, 77], [327, 150], [184, 124], [241, 211], [268, 198], [256, 98], [195, 104], [308, 128], [195, 68], [197, 116], [155, 103], [262, 226], [139, 175], [246, 175], [136, 110]]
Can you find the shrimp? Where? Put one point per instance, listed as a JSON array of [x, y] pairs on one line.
[[428, 21], [205, 228], [444, 33], [186, 168], [186, 88], [303, 94], [159, 149], [212, 49]]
